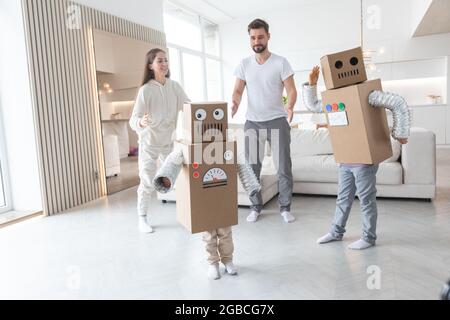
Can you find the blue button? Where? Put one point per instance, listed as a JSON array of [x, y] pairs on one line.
[[329, 108]]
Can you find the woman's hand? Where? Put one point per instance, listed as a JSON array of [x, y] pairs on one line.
[[314, 76], [143, 123]]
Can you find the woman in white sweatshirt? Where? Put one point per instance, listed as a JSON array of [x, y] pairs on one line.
[[154, 119]]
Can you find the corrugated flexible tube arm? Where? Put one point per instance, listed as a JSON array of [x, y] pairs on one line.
[[310, 100], [399, 108], [169, 170]]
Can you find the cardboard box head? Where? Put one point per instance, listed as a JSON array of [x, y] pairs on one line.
[[343, 68], [359, 132], [206, 189], [205, 122]]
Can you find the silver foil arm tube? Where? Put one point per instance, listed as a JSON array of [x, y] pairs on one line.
[[248, 178], [169, 170], [310, 100], [399, 109]]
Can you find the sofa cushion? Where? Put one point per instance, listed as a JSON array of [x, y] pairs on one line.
[[325, 169], [396, 151], [315, 169], [390, 173], [310, 142]]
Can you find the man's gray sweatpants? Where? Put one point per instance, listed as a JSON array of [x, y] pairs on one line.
[[278, 133], [359, 180]]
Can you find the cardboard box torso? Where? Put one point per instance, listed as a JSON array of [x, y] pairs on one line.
[[359, 132], [206, 193]]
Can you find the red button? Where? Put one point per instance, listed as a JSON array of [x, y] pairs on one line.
[[335, 107], [196, 175], [195, 165]]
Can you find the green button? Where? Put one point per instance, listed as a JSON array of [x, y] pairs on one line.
[[341, 106]]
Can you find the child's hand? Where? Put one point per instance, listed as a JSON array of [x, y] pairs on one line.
[[314, 76], [402, 141], [166, 182], [143, 123]]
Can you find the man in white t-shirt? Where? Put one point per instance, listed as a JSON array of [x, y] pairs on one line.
[[266, 75]]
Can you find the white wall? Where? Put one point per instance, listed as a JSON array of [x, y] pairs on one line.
[[146, 12], [15, 97], [16, 110], [304, 33]]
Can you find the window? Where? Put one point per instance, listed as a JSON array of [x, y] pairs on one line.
[[174, 60], [194, 53], [182, 28], [213, 79], [211, 37], [193, 80]]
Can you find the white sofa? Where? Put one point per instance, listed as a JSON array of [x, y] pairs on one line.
[[410, 173]]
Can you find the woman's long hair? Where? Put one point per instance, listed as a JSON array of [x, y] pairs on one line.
[[150, 57]]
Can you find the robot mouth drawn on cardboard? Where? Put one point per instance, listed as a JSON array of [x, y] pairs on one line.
[[211, 131], [342, 75]]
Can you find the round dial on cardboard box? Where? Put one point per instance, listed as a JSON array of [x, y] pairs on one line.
[[228, 155], [214, 175]]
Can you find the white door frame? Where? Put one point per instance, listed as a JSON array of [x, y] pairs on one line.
[[4, 171]]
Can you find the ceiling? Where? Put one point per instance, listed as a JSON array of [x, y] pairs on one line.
[[220, 11], [436, 19]]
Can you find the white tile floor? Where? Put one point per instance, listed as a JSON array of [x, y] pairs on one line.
[[95, 252]]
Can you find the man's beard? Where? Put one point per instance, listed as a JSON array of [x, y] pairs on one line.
[[259, 48]]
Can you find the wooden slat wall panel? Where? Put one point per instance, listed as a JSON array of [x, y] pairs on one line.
[[64, 91]]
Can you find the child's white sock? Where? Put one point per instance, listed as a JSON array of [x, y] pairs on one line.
[[144, 227], [328, 238], [360, 245], [253, 216], [213, 272], [231, 268], [287, 217]]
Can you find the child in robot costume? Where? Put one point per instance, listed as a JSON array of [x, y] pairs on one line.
[[218, 179], [359, 178]]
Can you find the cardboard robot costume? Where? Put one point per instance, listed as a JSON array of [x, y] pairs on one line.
[[355, 110], [205, 166]]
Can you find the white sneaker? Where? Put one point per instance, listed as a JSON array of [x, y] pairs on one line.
[[287, 217], [213, 272], [253, 216], [230, 268], [144, 227]]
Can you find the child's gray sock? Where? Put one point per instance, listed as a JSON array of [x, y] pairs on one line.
[[328, 238], [360, 245]]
